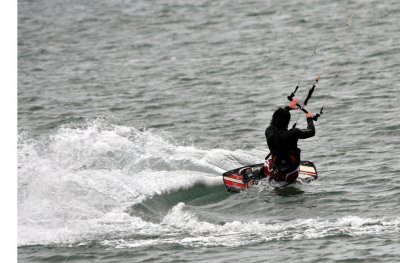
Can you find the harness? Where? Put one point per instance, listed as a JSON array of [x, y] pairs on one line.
[[285, 162]]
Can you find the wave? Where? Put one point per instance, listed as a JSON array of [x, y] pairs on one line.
[[182, 227], [80, 177]]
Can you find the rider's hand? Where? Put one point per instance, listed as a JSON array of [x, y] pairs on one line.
[[310, 114], [293, 104]]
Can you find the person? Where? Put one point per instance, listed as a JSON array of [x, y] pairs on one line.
[[284, 164]]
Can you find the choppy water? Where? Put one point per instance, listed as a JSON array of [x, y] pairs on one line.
[[128, 112]]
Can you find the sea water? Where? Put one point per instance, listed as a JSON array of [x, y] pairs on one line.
[[129, 111]]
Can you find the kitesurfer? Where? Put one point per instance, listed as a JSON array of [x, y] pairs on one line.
[[283, 166]]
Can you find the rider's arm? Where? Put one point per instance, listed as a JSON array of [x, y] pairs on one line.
[[306, 133]]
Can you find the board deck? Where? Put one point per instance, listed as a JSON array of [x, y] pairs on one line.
[[233, 179]]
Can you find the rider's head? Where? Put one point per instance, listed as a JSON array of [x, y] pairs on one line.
[[281, 118]]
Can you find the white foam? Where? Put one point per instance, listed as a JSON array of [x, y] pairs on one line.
[[80, 175], [237, 233], [181, 226]]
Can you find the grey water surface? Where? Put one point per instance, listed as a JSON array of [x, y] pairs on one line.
[[129, 111]]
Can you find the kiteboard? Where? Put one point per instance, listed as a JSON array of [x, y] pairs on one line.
[[237, 180]]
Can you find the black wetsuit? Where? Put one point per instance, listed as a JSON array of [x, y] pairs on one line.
[[283, 145]]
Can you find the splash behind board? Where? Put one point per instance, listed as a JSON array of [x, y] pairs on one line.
[[233, 179]]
